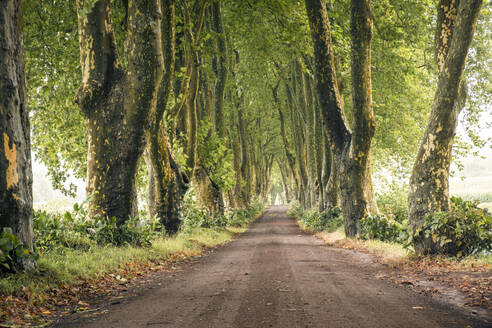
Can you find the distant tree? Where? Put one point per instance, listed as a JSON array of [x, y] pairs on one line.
[[15, 147]]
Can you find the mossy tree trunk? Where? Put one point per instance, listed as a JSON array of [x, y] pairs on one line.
[[350, 150], [291, 160], [236, 148], [15, 147], [310, 140], [221, 68], [246, 167], [117, 104], [167, 182], [296, 118], [429, 183]]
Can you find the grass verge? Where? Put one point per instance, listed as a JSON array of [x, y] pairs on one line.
[[395, 254], [67, 266], [65, 279]]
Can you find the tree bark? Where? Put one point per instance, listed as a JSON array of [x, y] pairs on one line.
[[291, 160], [15, 148], [299, 146], [221, 70], [312, 149], [117, 104], [236, 148], [429, 183], [167, 181], [285, 181], [350, 150], [246, 170]]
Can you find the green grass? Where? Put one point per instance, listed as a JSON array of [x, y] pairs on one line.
[[66, 266]]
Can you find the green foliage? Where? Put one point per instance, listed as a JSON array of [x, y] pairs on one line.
[[215, 156], [75, 230], [393, 201], [314, 220], [12, 252], [465, 229], [53, 76], [195, 217], [383, 228]]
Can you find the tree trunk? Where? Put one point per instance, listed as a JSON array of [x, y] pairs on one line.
[[15, 149], [330, 178], [312, 149], [191, 122], [285, 181], [167, 182], [429, 183], [221, 70], [291, 160], [356, 186], [350, 150], [299, 146], [236, 148], [151, 201], [117, 105], [246, 170]]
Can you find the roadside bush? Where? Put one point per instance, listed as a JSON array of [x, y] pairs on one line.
[[12, 252], [75, 230], [313, 220], [195, 217], [383, 228], [137, 231], [53, 230], [393, 201], [465, 229]]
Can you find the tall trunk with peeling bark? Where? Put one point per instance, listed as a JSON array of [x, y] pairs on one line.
[[117, 104], [15, 147], [350, 149], [429, 183], [167, 182], [221, 69]]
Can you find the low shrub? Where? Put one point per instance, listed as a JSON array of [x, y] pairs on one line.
[[75, 230], [463, 230], [195, 217], [317, 221], [393, 202], [383, 228], [12, 252]]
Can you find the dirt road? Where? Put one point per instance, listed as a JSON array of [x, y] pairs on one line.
[[276, 276]]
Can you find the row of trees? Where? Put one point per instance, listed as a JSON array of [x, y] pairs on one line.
[[237, 100]]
